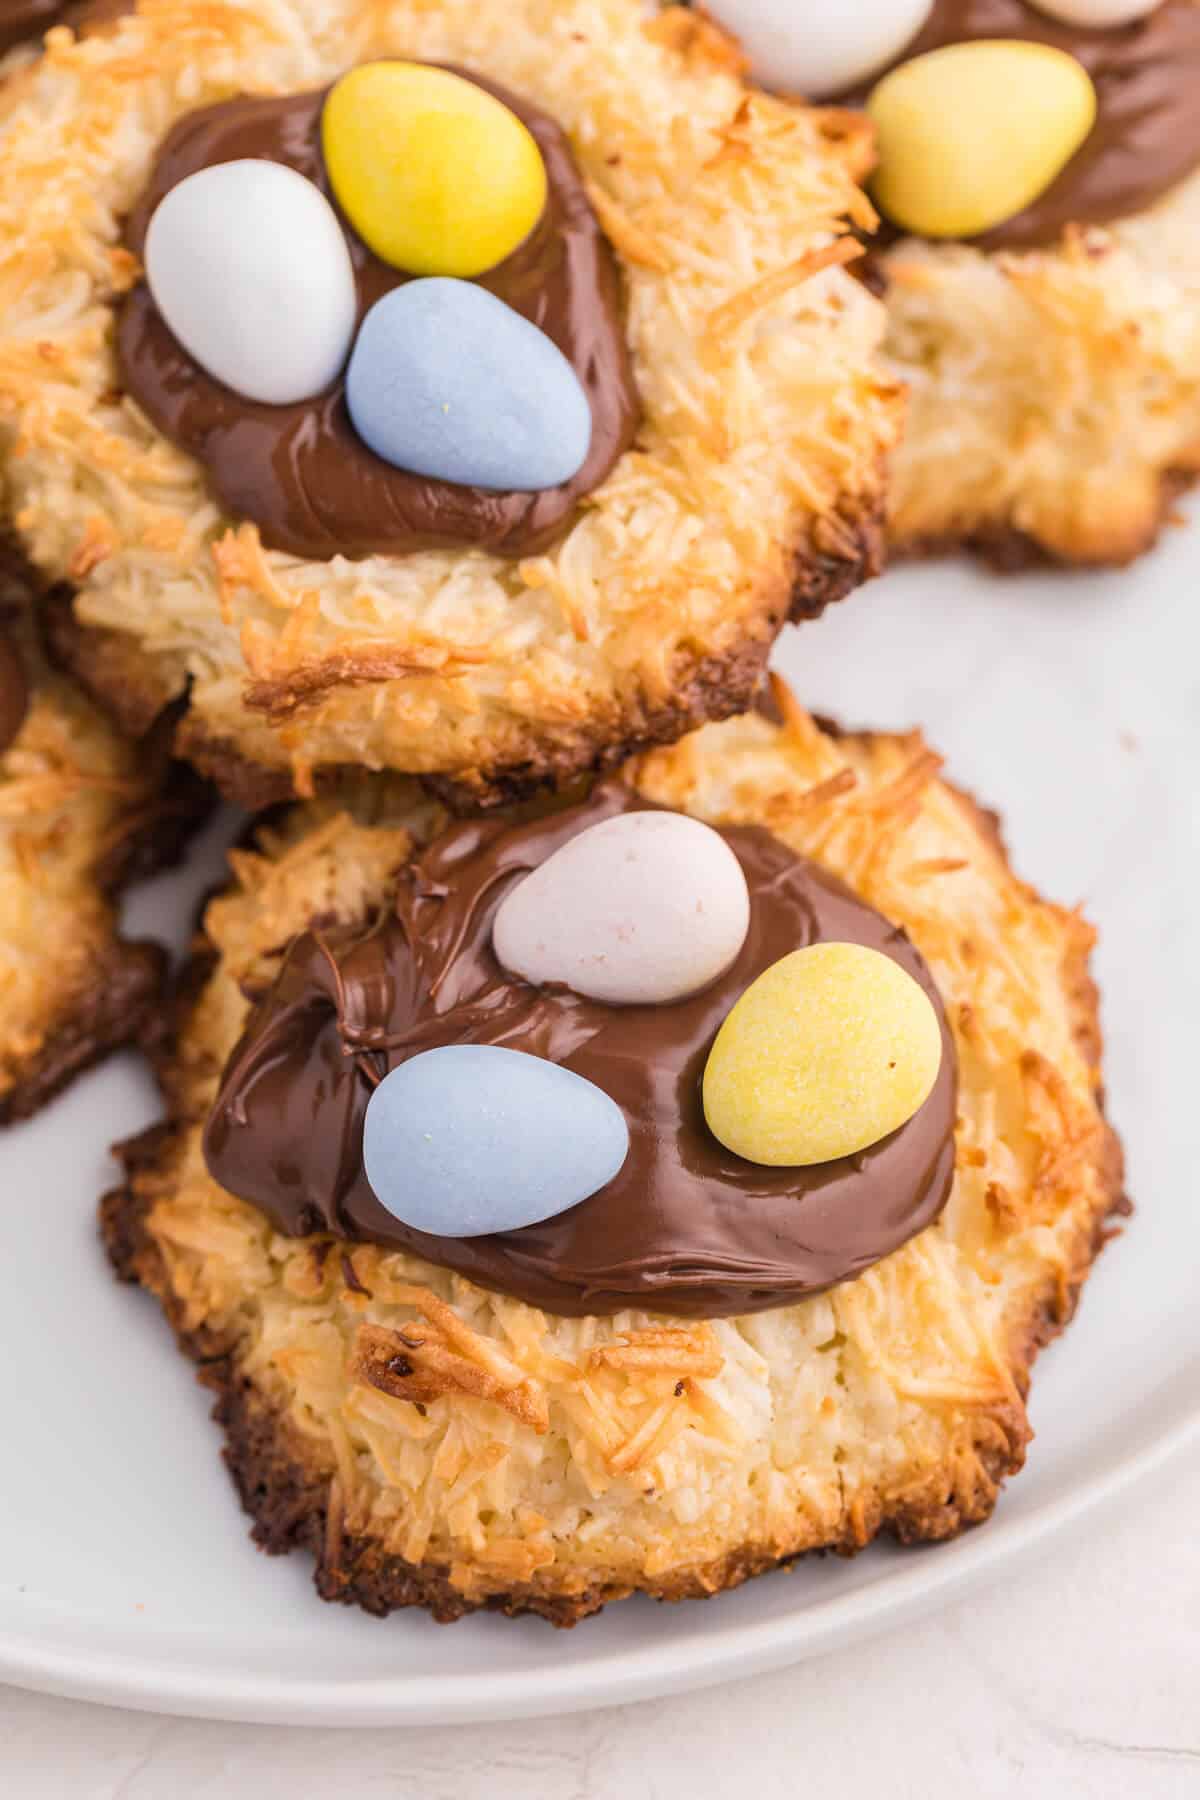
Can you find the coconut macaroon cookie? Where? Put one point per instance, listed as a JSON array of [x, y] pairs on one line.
[[1039, 182], [527, 1272], [82, 812], [24, 23], [494, 499]]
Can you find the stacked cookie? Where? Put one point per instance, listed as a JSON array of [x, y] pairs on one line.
[[1038, 179], [621, 1133], [83, 812]]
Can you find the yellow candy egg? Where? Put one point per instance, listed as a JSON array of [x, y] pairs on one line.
[[436, 176], [971, 134], [832, 1048]]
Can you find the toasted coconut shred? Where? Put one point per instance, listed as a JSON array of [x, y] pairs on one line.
[[766, 417], [438, 1443]]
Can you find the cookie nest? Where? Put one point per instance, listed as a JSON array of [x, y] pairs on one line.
[[81, 811], [435, 1443], [1055, 392], [753, 489], [1054, 395]]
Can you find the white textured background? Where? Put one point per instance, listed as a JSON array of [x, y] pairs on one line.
[[1078, 1676]]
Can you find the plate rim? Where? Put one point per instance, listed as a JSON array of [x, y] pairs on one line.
[[92, 1661], [932, 1576]]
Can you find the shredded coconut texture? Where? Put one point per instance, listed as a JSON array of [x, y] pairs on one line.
[[754, 488], [435, 1443]]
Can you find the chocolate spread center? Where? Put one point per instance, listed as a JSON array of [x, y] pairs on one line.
[[16, 589], [1146, 137], [301, 472], [686, 1226]]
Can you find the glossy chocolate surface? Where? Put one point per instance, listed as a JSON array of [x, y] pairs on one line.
[[686, 1226]]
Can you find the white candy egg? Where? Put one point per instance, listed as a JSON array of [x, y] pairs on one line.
[[1097, 15], [248, 266], [641, 909], [819, 50]]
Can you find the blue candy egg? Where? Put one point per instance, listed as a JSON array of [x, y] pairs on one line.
[[447, 381], [471, 1138]]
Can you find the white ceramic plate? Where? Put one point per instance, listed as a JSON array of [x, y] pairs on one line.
[[126, 1574]]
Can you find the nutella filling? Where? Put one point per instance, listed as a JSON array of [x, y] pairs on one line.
[[1146, 137], [21, 21], [686, 1226], [301, 472]]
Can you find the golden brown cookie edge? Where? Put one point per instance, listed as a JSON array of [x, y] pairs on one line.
[[291, 1495], [134, 688]]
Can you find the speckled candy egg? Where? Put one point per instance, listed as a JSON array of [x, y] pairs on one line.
[[1097, 15], [641, 909], [971, 134], [446, 380], [434, 173], [814, 50], [248, 266], [832, 1048], [473, 1138]]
